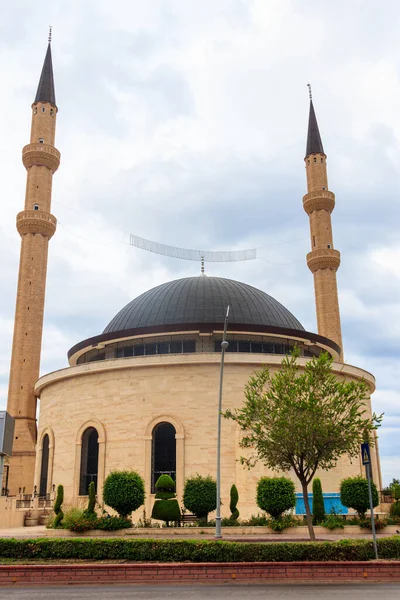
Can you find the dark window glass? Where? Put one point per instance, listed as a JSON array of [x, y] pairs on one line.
[[256, 347], [176, 347], [163, 348], [150, 348], [232, 346], [139, 350], [89, 460], [128, 351], [280, 349], [268, 348], [244, 346], [44, 470], [119, 353], [189, 346], [163, 453]]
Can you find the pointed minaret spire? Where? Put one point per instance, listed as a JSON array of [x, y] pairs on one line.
[[314, 142], [45, 91], [323, 260]]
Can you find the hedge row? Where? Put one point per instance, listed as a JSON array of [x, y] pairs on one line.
[[196, 551]]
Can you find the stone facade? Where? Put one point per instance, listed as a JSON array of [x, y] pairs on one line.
[[126, 398]]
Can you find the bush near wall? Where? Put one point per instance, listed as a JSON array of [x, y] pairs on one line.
[[195, 551]]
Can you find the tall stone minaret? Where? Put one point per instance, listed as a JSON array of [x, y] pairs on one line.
[[323, 261], [36, 225]]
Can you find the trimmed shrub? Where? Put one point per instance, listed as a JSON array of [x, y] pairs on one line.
[[200, 495], [395, 509], [283, 522], [90, 511], [57, 506], [109, 523], [157, 550], [333, 521], [395, 491], [166, 507], [233, 503], [318, 502], [78, 520], [276, 495], [379, 523], [166, 510], [258, 521], [354, 494], [124, 492]]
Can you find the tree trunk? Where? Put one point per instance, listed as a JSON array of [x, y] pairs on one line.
[[308, 512]]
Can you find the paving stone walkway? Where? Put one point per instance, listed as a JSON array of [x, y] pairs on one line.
[[41, 531]]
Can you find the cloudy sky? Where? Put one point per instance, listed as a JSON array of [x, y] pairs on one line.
[[184, 122]]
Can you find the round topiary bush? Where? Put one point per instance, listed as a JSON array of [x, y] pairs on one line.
[[354, 494], [276, 495], [124, 491], [200, 495], [166, 507]]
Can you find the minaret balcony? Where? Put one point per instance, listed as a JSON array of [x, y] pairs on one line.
[[36, 221], [323, 258], [42, 155], [319, 200]]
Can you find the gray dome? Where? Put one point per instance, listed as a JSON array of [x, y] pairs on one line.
[[199, 300]]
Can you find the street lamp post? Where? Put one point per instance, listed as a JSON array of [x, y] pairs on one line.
[[224, 346]]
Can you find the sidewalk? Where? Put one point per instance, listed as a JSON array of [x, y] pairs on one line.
[[187, 533]]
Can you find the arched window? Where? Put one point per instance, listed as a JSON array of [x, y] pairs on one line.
[[89, 460], [163, 453], [44, 468]]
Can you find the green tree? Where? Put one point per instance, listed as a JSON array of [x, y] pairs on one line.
[[200, 495], [166, 507], [234, 499], [354, 494], [276, 495], [124, 491], [318, 502], [302, 419]]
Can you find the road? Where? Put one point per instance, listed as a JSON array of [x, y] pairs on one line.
[[365, 591]]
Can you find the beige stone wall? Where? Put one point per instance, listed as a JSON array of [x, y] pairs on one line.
[[126, 398]]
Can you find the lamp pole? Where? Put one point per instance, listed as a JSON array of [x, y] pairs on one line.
[[224, 346]]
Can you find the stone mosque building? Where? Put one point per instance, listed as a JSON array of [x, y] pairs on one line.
[[142, 395]]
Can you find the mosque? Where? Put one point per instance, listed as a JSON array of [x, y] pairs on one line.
[[142, 395]]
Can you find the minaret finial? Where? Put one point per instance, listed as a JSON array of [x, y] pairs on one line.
[[309, 90], [50, 32], [202, 265]]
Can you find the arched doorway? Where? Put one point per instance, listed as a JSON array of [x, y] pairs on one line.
[[89, 460], [163, 456], [44, 467]]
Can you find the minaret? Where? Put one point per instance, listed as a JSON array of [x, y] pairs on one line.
[[36, 225], [323, 261]]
